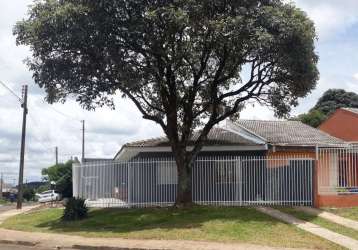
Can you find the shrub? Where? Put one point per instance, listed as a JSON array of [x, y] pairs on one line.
[[75, 209], [29, 194]]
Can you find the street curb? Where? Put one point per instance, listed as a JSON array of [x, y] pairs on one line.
[[19, 242], [86, 247]]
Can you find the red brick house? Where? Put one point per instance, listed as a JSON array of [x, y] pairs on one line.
[[343, 124]]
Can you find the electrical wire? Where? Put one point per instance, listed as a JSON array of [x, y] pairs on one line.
[[12, 92], [60, 112], [37, 127], [54, 109]]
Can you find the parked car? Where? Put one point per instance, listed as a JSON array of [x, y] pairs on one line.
[[48, 196]]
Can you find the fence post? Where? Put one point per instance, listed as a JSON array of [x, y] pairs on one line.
[[315, 179], [75, 179], [239, 183], [129, 184]]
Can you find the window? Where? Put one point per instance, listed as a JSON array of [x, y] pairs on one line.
[[167, 173]]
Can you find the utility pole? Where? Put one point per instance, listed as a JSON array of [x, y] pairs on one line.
[[1, 184], [83, 140], [22, 152], [56, 154]]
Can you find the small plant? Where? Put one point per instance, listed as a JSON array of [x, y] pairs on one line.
[[75, 209]]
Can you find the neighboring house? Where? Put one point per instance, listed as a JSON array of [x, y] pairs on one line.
[[343, 124]]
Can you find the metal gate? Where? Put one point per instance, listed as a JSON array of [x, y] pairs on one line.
[[337, 170]]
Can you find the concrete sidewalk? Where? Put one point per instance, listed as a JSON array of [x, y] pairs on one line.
[[78, 242], [330, 217], [312, 228]]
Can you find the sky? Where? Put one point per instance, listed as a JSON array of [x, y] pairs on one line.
[[106, 130]]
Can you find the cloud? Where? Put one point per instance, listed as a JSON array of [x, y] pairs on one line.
[[355, 76], [331, 17]]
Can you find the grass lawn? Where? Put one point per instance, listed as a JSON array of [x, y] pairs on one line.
[[198, 223], [322, 222], [3, 202], [350, 213]]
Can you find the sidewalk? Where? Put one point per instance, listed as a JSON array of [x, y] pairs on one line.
[[330, 216], [312, 228]]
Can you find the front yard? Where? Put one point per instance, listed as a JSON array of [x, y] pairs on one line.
[[244, 225], [350, 213]]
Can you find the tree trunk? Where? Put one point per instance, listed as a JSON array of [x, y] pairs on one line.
[[184, 193]]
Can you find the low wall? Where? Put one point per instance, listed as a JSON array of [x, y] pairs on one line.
[[342, 200]]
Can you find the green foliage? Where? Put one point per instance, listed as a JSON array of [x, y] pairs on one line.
[[314, 118], [29, 194], [161, 54], [328, 103], [61, 174], [334, 99], [3, 201], [43, 188], [75, 209]]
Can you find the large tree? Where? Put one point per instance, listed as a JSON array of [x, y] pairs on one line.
[[185, 64], [333, 99]]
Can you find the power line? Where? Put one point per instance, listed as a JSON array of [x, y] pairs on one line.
[[36, 125], [61, 113], [54, 109], [12, 92]]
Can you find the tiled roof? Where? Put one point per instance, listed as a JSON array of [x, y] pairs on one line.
[[288, 132], [353, 110], [217, 136]]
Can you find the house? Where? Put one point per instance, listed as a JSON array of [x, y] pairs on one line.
[[249, 162], [277, 160], [245, 137], [343, 124]]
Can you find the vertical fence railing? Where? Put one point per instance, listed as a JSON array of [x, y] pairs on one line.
[[338, 170], [221, 181]]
